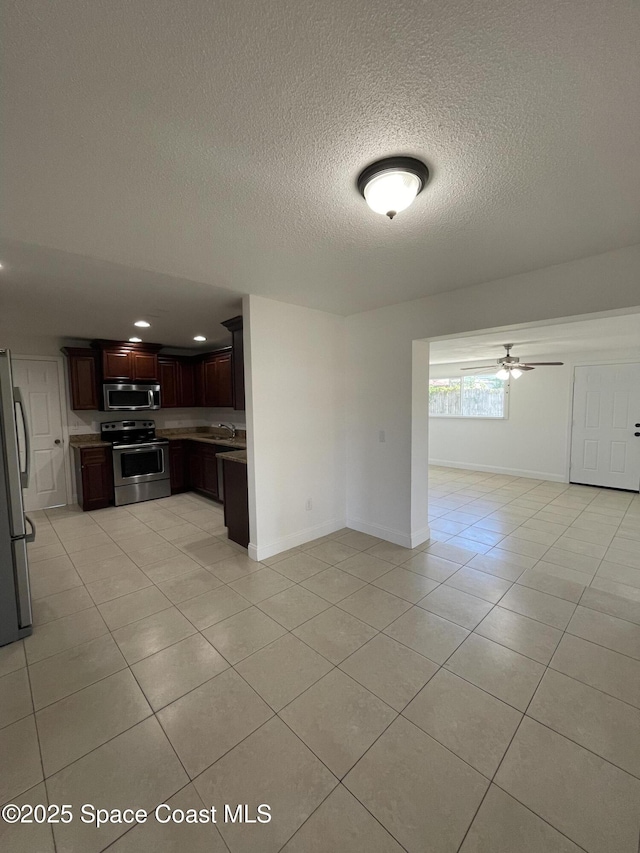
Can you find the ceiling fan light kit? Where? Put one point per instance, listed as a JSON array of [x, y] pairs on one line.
[[510, 367], [391, 185]]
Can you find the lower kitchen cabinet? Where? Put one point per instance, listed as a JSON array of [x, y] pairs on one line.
[[203, 468], [236, 501], [178, 466], [94, 477]]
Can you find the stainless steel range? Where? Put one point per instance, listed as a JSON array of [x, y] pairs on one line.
[[140, 461]]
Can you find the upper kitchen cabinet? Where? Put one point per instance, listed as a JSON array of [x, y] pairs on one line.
[[169, 375], [237, 361], [177, 382], [128, 362], [215, 382], [83, 378]]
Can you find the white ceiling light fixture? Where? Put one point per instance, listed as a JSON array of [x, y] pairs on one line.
[[142, 324], [135, 340], [391, 185], [199, 338]]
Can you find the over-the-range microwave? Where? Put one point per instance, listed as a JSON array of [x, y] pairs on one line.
[[131, 398]]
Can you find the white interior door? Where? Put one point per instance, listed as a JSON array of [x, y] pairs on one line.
[[605, 438], [39, 382]]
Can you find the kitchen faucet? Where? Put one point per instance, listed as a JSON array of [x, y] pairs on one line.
[[230, 427]]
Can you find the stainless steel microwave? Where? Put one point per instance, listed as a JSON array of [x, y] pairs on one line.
[[131, 398]]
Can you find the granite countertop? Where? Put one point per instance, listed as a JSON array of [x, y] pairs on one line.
[[234, 456], [207, 438], [92, 439], [87, 440]]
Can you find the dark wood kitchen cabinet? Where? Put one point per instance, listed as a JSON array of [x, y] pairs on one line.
[[94, 477], [83, 378], [124, 362], [123, 365], [237, 361], [169, 375], [178, 466], [187, 382], [236, 501], [216, 389], [177, 382], [203, 468]]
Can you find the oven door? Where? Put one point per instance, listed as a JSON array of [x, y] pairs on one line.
[[131, 398], [140, 463]]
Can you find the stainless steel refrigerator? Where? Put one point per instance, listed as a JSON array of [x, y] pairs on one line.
[[15, 598]]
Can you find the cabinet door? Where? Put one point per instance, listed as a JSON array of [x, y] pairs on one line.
[[83, 382], [177, 466], [186, 384], [144, 366], [116, 365], [238, 371], [97, 478], [223, 396], [169, 383], [195, 466], [210, 472], [210, 382]]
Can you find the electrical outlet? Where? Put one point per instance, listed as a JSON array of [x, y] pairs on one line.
[[382, 436], [309, 504]]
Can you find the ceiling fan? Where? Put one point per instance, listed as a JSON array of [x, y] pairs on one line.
[[511, 366]]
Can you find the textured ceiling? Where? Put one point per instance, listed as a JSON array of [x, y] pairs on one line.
[[45, 293], [219, 142], [561, 339]]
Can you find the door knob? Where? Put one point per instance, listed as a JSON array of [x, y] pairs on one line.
[[57, 441]]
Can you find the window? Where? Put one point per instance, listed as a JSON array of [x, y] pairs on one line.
[[468, 397]]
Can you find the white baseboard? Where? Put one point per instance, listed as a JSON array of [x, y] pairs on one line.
[[495, 469], [397, 537], [420, 537], [262, 552]]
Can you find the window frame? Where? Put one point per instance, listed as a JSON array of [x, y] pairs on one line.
[[503, 417]]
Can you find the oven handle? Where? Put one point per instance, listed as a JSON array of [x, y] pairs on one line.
[[138, 448]]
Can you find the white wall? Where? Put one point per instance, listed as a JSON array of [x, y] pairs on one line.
[[531, 442], [534, 441], [382, 495], [294, 372]]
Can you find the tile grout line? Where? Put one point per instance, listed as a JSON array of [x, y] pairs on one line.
[[334, 604]]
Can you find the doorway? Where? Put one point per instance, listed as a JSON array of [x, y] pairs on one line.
[[40, 380], [605, 434]]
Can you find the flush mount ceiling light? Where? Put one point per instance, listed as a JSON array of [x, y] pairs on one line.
[[142, 324], [135, 340], [391, 185], [199, 338]]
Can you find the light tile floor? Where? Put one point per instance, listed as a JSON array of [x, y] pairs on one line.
[[479, 694]]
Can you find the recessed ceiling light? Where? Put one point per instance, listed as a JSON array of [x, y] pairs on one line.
[[391, 185], [199, 338], [1, 266], [135, 340], [142, 324]]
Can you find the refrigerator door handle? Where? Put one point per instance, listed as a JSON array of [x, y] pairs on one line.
[[11, 452], [30, 537], [26, 474]]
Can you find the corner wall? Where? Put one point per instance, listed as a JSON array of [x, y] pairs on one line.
[[381, 363], [294, 373]]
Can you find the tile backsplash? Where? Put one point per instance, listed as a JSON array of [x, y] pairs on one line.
[[87, 422]]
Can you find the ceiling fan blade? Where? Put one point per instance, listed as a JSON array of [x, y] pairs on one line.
[[484, 367], [524, 367], [543, 363]]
